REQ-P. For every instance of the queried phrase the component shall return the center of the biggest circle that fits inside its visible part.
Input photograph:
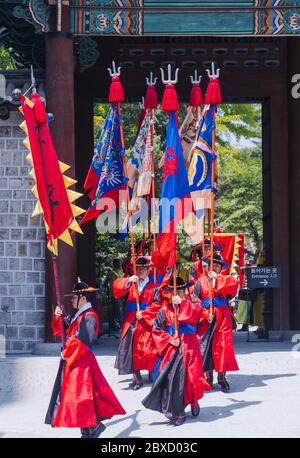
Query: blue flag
(175, 180)
(175, 202)
(105, 138)
(107, 163)
(200, 167)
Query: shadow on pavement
(134, 426)
(241, 382)
(207, 414)
(214, 413)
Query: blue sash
(131, 306)
(159, 278)
(217, 302)
(184, 328)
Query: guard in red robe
(199, 267)
(136, 351)
(178, 376)
(81, 396)
(217, 343)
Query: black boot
(179, 419)
(150, 377)
(137, 382)
(210, 378)
(96, 431)
(85, 433)
(222, 381)
(195, 410)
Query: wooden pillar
(267, 204)
(60, 102)
(280, 206)
(294, 181)
(86, 244)
(276, 213)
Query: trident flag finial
(114, 72)
(151, 81)
(196, 79)
(213, 73)
(169, 79)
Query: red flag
(241, 258)
(54, 200)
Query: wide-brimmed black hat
(217, 258)
(199, 248)
(180, 284)
(81, 289)
(142, 261)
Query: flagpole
(196, 100)
(54, 264)
(175, 294)
(58, 298)
(53, 256)
(213, 97)
(170, 104)
(153, 212)
(129, 212)
(212, 217)
(116, 96)
(141, 120)
(203, 239)
(150, 104)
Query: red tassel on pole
(213, 93)
(39, 108)
(170, 99)
(116, 93)
(196, 98)
(151, 97)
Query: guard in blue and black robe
(178, 376)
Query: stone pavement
(264, 400)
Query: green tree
(6, 60)
(239, 199)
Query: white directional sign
(263, 277)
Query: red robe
(195, 271)
(180, 380)
(136, 345)
(144, 348)
(222, 343)
(81, 395)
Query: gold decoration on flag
(77, 210)
(72, 195)
(235, 257)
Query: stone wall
(22, 250)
